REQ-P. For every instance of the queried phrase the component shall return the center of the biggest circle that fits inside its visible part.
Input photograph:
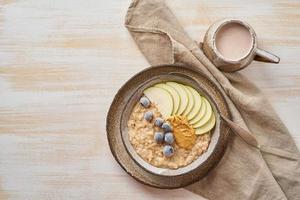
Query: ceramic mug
(230, 65)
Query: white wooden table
(62, 61)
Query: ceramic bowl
(120, 111)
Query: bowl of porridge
(168, 126)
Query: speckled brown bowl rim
(131, 103)
(114, 134)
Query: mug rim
(247, 26)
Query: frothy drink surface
(233, 41)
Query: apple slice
(162, 99)
(207, 115)
(200, 114)
(174, 94)
(191, 101)
(183, 96)
(206, 127)
(197, 105)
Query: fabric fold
(244, 172)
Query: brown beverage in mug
(233, 41)
(231, 45)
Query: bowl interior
(134, 99)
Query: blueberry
(148, 115)
(169, 138)
(168, 151)
(159, 137)
(145, 102)
(158, 122)
(166, 126)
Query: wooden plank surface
(62, 61)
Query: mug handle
(264, 56)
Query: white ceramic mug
(230, 65)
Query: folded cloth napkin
(244, 172)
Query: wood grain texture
(62, 61)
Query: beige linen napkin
(244, 172)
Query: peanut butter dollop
(184, 133)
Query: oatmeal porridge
(170, 126)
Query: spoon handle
(243, 133)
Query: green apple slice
(207, 115)
(191, 101)
(200, 114)
(162, 99)
(174, 94)
(197, 105)
(183, 96)
(206, 127)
